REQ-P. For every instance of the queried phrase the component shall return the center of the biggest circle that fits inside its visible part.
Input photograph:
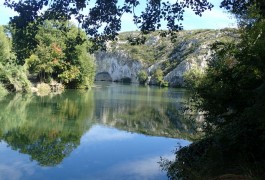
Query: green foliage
(23, 38)
(62, 55)
(46, 128)
(231, 95)
(5, 48)
(103, 20)
(142, 77)
(88, 69)
(159, 78)
(193, 77)
(14, 78)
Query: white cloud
(16, 170)
(147, 168)
(100, 133)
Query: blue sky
(215, 19)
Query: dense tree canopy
(101, 22)
(62, 55)
(231, 96)
(107, 13)
(12, 77)
(101, 19)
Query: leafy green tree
(12, 77)
(231, 95)
(5, 48)
(104, 15)
(62, 55)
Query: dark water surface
(113, 131)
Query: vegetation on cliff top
(157, 48)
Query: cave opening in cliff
(103, 76)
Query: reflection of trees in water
(46, 128)
(49, 128)
(152, 112)
(44, 149)
(152, 121)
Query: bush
(193, 77)
(159, 78)
(142, 77)
(14, 78)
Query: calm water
(113, 131)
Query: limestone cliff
(189, 50)
(116, 67)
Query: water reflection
(85, 127)
(47, 128)
(151, 111)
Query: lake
(112, 131)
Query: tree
(12, 77)
(62, 55)
(241, 7)
(105, 14)
(231, 95)
(5, 47)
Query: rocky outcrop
(189, 50)
(116, 67)
(175, 77)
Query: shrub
(14, 78)
(193, 77)
(142, 77)
(159, 78)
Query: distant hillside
(189, 50)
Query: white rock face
(175, 77)
(118, 65)
(193, 60)
(191, 50)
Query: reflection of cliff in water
(145, 110)
(46, 128)
(49, 128)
